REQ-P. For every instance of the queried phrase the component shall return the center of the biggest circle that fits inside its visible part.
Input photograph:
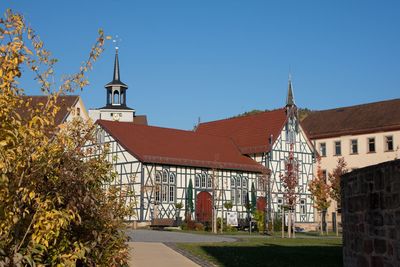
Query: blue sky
(214, 59)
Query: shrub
(53, 207)
(199, 227)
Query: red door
(203, 207)
(261, 203)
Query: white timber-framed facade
(223, 160)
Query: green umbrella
(189, 198)
(253, 198)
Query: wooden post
(283, 222)
(294, 222)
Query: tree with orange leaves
(320, 191)
(334, 179)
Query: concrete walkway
(147, 247)
(151, 254)
(142, 235)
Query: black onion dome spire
(116, 77)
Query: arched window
(172, 178)
(165, 186)
(116, 97)
(122, 98)
(239, 190)
(165, 176)
(203, 180)
(209, 181)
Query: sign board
(232, 218)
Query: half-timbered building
(268, 138)
(218, 162)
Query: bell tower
(116, 89)
(115, 108)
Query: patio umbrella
(253, 198)
(189, 197)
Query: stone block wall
(371, 216)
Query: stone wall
(371, 215)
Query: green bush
(259, 216)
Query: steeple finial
(116, 81)
(290, 98)
(116, 66)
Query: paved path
(174, 237)
(148, 248)
(156, 254)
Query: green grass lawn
(271, 252)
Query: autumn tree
(334, 179)
(320, 190)
(290, 182)
(53, 209)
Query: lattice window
(203, 180)
(165, 187)
(302, 206)
(239, 189)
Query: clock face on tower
(116, 116)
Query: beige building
(363, 135)
(70, 106)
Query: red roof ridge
(357, 105)
(244, 116)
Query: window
(388, 143)
(302, 206)
(353, 146)
(238, 196)
(209, 181)
(261, 183)
(171, 193)
(172, 178)
(338, 148)
(165, 186)
(164, 193)
(116, 98)
(371, 145)
(280, 203)
(100, 137)
(78, 111)
(158, 177)
(245, 196)
(239, 190)
(157, 193)
(325, 176)
(165, 177)
(203, 181)
(322, 149)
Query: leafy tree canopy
(53, 207)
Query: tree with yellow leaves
(320, 191)
(54, 210)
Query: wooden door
(203, 207)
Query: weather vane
(116, 41)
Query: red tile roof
(178, 147)
(65, 103)
(360, 119)
(250, 133)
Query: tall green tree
(53, 209)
